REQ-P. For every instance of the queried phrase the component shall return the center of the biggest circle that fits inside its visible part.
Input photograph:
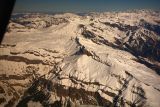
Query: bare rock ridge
(94, 60)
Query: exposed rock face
(143, 42)
(66, 60)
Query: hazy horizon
(83, 6)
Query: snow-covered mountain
(68, 60)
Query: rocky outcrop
(144, 43)
(150, 26)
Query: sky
(81, 6)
